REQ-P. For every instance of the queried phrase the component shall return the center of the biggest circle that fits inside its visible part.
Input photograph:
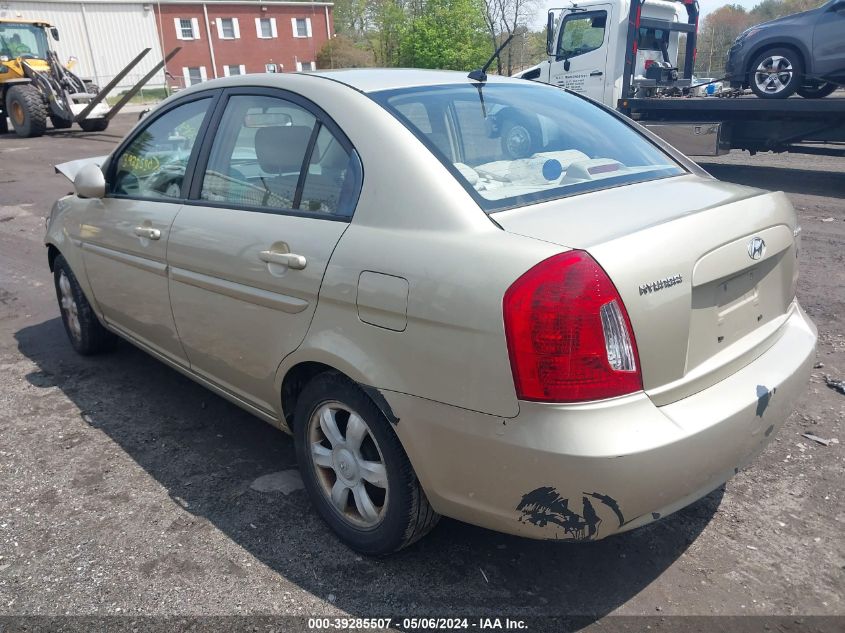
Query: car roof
(376, 79)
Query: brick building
(220, 38)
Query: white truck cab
(625, 54)
(590, 46)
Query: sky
(706, 7)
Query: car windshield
(512, 145)
(22, 40)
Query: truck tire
(816, 90)
(521, 136)
(94, 125)
(776, 73)
(27, 110)
(59, 123)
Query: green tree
(342, 52)
(388, 21)
(448, 34)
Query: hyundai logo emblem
(756, 248)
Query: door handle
(291, 260)
(148, 232)
(596, 73)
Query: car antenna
(480, 74)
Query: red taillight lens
(569, 336)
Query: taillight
(569, 336)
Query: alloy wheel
(349, 465)
(773, 74)
(69, 307)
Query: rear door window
(271, 153)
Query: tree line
(447, 34)
(463, 34)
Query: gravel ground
(127, 489)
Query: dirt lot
(126, 489)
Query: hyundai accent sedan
(494, 301)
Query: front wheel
(86, 333)
(355, 469)
(776, 73)
(817, 90)
(27, 110)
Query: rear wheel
(355, 469)
(816, 90)
(94, 125)
(776, 73)
(86, 333)
(59, 123)
(27, 110)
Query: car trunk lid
(707, 270)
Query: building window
(265, 28)
(305, 66)
(228, 29)
(231, 70)
(301, 27)
(194, 75)
(187, 28)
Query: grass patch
(144, 96)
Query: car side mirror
(550, 33)
(90, 182)
(55, 33)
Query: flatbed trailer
(712, 125)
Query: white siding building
(103, 35)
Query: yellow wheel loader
(35, 87)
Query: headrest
(280, 149)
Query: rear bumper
(588, 471)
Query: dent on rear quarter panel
(414, 221)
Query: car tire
(343, 474)
(83, 328)
(27, 110)
(94, 125)
(817, 90)
(776, 73)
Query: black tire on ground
(59, 123)
(785, 76)
(817, 90)
(94, 125)
(27, 110)
(406, 513)
(87, 335)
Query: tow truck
(625, 53)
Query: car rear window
(512, 145)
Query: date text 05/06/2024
(481, 624)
